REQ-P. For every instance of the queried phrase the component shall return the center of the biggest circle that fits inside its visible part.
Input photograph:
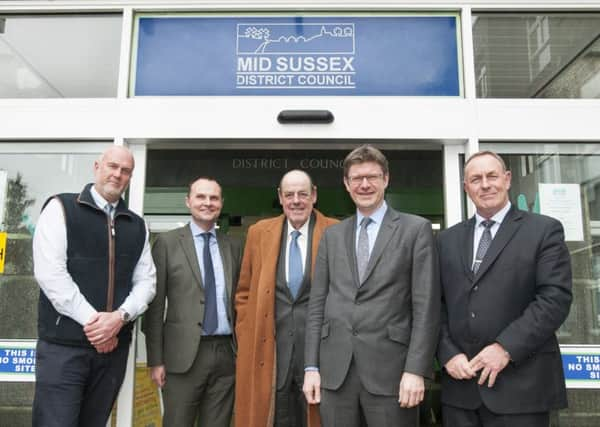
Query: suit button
(262, 363)
(291, 333)
(355, 333)
(472, 315)
(475, 288)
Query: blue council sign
(345, 55)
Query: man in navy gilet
(93, 264)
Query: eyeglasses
(371, 179)
(301, 195)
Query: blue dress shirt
(224, 328)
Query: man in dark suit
(506, 283)
(373, 315)
(275, 279)
(191, 349)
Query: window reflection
(78, 58)
(31, 179)
(535, 55)
(531, 170)
(28, 187)
(536, 164)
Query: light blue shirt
(497, 218)
(224, 328)
(101, 202)
(373, 227)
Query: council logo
(295, 56)
(265, 39)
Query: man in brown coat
(271, 303)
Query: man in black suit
(506, 284)
(373, 314)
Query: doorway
(250, 177)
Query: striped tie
(362, 251)
(484, 244)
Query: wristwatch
(125, 317)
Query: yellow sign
(2, 250)
(147, 400)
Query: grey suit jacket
(390, 322)
(172, 338)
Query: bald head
(118, 151)
(112, 172)
(295, 175)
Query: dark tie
(362, 251)
(210, 289)
(295, 265)
(484, 244)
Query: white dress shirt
(302, 243)
(50, 268)
(497, 218)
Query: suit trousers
(483, 417)
(290, 403)
(353, 406)
(206, 390)
(76, 386)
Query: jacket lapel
(225, 252)
(390, 223)
(316, 238)
(270, 246)
(350, 237)
(509, 226)
(466, 242)
(283, 285)
(187, 243)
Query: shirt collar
(100, 201)
(376, 217)
(196, 231)
(303, 230)
(498, 217)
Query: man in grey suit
(191, 349)
(373, 316)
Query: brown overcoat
(255, 324)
